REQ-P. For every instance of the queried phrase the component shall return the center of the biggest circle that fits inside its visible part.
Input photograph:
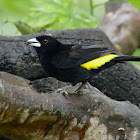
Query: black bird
(74, 63)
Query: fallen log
(120, 82)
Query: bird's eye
(45, 41)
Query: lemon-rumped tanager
(74, 63)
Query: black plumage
(64, 62)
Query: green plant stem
(91, 7)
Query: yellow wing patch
(98, 62)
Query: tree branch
(121, 23)
(26, 114)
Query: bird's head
(44, 44)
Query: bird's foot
(67, 92)
(62, 91)
(64, 88)
(70, 90)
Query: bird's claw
(70, 90)
(61, 91)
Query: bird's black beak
(33, 42)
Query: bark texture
(26, 114)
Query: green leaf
(24, 28)
(60, 14)
(50, 14)
(14, 9)
(135, 3)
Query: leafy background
(31, 16)
(135, 3)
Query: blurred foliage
(135, 3)
(32, 16)
(15, 9)
(59, 14)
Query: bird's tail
(127, 58)
(118, 59)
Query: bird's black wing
(79, 55)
